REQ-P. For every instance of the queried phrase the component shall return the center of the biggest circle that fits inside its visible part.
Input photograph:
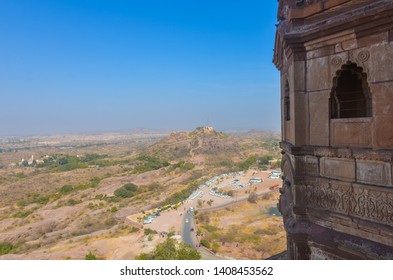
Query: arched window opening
(287, 112)
(350, 97)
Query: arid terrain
(65, 197)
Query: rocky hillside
(202, 143)
(77, 200)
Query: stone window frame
(365, 110)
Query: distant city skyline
(94, 66)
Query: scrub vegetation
(70, 197)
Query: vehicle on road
(186, 221)
(147, 221)
(275, 187)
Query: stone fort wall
(337, 196)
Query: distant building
(40, 161)
(31, 160)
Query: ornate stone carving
(363, 56)
(337, 61)
(374, 205)
(318, 254)
(351, 56)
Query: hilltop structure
(335, 58)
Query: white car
(147, 221)
(186, 221)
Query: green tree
(148, 231)
(186, 252)
(252, 198)
(244, 165)
(205, 243)
(215, 247)
(143, 256)
(90, 256)
(127, 190)
(130, 187)
(66, 189)
(6, 248)
(171, 250)
(264, 160)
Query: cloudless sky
(94, 65)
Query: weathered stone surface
(300, 119)
(288, 131)
(307, 165)
(318, 74)
(380, 63)
(350, 44)
(383, 115)
(338, 198)
(374, 39)
(373, 172)
(343, 169)
(299, 73)
(319, 123)
(350, 132)
(321, 52)
(319, 254)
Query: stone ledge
(382, 155)
(373, 172)
(338, 168)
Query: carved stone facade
(335, 58)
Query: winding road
(189, 237)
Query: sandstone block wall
(337, 194)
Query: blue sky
(92, 65)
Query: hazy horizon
(130, 131)
(86, 66)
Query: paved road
(189, 237)
(187, 234)
(234, 201)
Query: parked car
(147, 221)
(275, 187)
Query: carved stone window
(350, 97)
(287, 105)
